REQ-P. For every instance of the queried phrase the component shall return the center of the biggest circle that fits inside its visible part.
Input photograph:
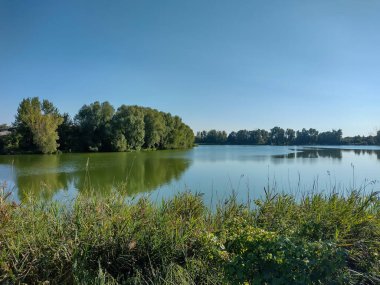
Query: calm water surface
(215, 171)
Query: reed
(279, 239)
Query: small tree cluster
(276, 136)
(100, 127)
(39, 127)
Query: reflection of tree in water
(313, 153)
(326, 153)
(334, 153)
(368, 152)
(43, 176)
(37, 176)
(42, 186)
(142, 172)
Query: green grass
(281, 239)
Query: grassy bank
(319, 239)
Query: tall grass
(281, 239)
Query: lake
(215, 171)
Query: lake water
(216, 171)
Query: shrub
(108, 240)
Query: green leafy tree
(129, 121)
(67, 133)
(183, 136)
(242, 137)
(154, 128)
(37, 123)
(211, 137)
(232, 138)
(167, 140)
(307, 137)
(94, 124)
(9, 143)
(290, 136)
(332, 138)
(119, 142)
(96, 127)
(313, 134)
(201, 137)
(277, 136)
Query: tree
(255, 137)
(179, 135)
(333, 138)
(68, 134)
(37, 124)
(264, 137)
(211, 137)
(167, 140)
(242, 137)
(201, 137)
(119, 142)
(290, 135)
(9, 140)
(154, 128)
(129, 121)
(94, 126)
(313, 136)
(277, 136)
(232, 138)
(222, 137)
(307, 137)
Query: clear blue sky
(218, 64)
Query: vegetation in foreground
(318, 239)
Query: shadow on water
(333, 153)
(44, 175)
(48, 176)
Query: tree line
(280, 136)
(40, 128)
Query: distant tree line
(39, 127)
(280, 136)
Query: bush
(261, 257)
(107, 240)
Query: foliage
(94, 123)
(360, 140)
(154, 128)
(129, 121)
(68, 134)
(334, 137)
(9, 143)
(262, 257)
(276, 136)
(37, 123)
(97, 127)
(315, 239)
(213, 137)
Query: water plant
(281, 239)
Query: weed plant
(281, 239)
